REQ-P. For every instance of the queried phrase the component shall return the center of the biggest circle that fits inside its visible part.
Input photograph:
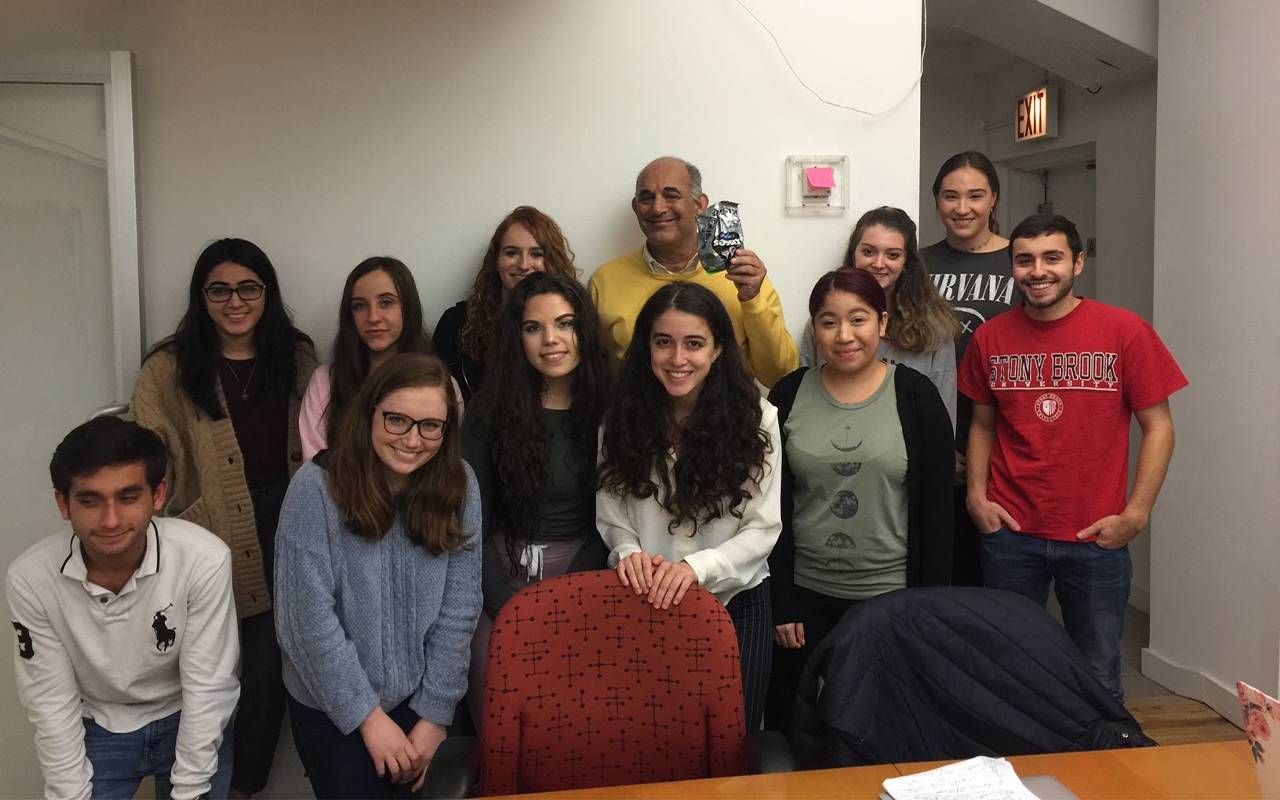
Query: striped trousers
(752, 614)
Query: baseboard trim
(1189, 682)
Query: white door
(70, 332)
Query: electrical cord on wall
(924, 43)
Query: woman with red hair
(525, 242)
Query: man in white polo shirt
(126, 628)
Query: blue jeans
(1091, 583)
(121, 760)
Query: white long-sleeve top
(168, 641)
(728, 555)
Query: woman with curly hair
(689, 472)
(379, 315)
(224, 393)
(531, 438)
(922, 330)
(866, 478)
(525, 242)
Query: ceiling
(993, 34)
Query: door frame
(113, 71)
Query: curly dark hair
(484, 302)
(510, 402)
(720, 447)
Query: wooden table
(1210, 770)
(851, 783)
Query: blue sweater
(366, 623)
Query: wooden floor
(1180, 720)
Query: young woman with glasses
(689, 489)
(379, 315)
(531, 437)
(378, 585)
(224, 392)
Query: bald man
(667, 201)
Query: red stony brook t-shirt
(1064, 392)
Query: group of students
(378, 512)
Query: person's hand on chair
(636, 571)
(671, 580)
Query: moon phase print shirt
(850, 466)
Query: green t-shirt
(849, 461)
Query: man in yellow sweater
(667, 201)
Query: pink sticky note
(820, 177)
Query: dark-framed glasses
(221, 292)
(397, 424)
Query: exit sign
(1037, 114)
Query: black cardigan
(447, 341)
(926, 431)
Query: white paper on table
(979, 778)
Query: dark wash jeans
(121, 760)
(1091, 583)
(338, 764)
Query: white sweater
(730, 554)
(168, 641)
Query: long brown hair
(351, 357)
(430, 504)
(485, 300)
(919, 319)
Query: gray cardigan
(366, 623)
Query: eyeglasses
(221, 292)
(398, 424)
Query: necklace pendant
(244, 395)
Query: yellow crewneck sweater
(621, 287)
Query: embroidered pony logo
(164, 634)
(26, 648)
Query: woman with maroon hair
(866, 478)
(525, 242)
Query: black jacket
(447, 340)
(950, 673)
(926, 431)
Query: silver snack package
(719, 235)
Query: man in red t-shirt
(1054, 383)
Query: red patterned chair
(588, 685)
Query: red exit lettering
(1031, 115)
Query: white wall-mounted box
(817, 185)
